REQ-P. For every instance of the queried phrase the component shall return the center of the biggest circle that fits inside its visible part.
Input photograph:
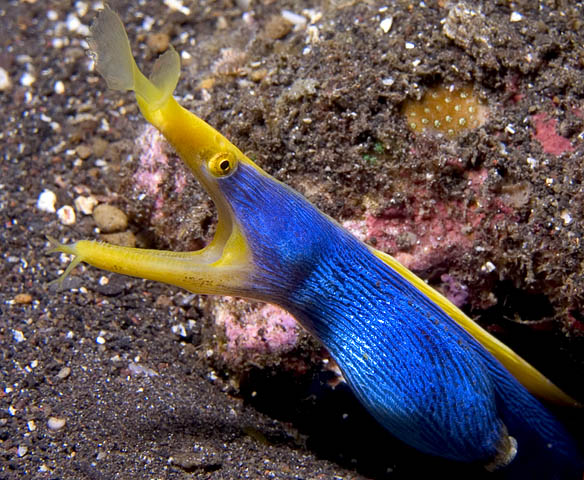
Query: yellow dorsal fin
(114, 61)
(166, 72)
(525, 373)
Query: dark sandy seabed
(72, 405)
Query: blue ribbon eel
(420, 366)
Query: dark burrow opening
(335, 426)
(525, 321)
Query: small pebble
(488, 267)
(22, 451)
(73, 23)
(110, 219)
(386, 24)
(163, 301)
(66, 215)
(207, 83)
(294, 18)
(56, 423)
(58, 43)
(566, 217)
(26, 80)
(184, 299)
(83, 151)
(258, 75)
(222, 23)
(46, 201)
(147, 23)
(99, 146)
(59, 87)
(64, 373)
(85, 204)
(18, 336)
(110, 288)
(158, 42)
(23, 298)
(81, 8)
(179, 330)
(5, 82)
(277, 27)
(186, 58)
(177, 5)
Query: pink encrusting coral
(421, 237)
(253, 331)
(152, 161)
(429, 233)
(546, 134)
(153, 168)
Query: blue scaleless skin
(422, 368)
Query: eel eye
(221, 164)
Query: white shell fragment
(5, 82)
(85, 204)
(298, 20)
(177, 5)
(66, 215)
(18, 336)
(488, 267)
(56, 423)
(59, 87)
(27, 79)
(46, 201)
(386, 24)
(566, 217)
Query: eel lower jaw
(221, 268)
